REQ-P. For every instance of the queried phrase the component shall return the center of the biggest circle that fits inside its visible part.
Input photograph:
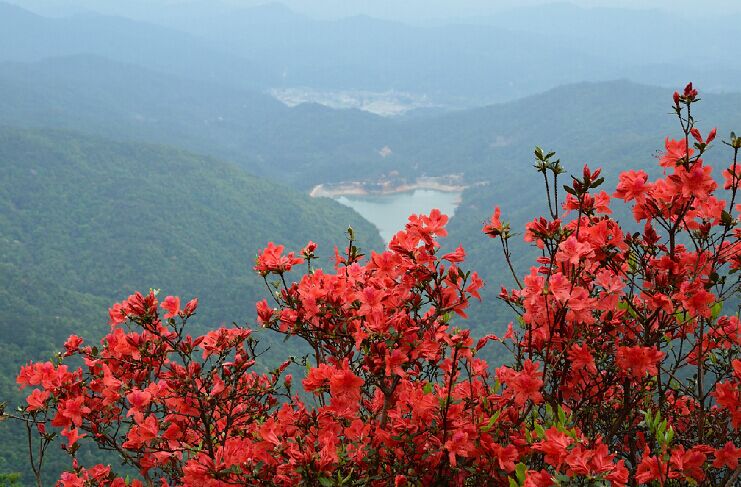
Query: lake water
(389, 213)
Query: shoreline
(385, 188)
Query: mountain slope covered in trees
(299, 146)
(615, 125)
(86, 221)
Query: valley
(385, 104)
(165, 150)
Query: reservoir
(390, 212)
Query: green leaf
(716, 309)
(488, 426)
(520, 472)
(326, 482)
(669, 435)
(661, 429)
(647, 420)
(726, 218)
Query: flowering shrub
(624, 369)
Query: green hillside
(300, 146)
(614, 125)
(148, 152)
(86, 221)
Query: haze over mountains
(410, 11)
(471, 62)
(146, 143)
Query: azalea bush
(624, 363)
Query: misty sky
(406, 10)
(447, 8)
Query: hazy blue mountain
(311, 144)
(469, 62)
(29, 37)
(422, 12)
(714, 76)
(298, 144)
(629, 34)
(508, 55)
(452, 63)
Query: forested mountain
(310, 144)
(461, 63)
(298, 145)
(85, 222)
(25, 36)
(614, 125)
(470, 60)
(505, 56)
(366, 53)
(137, 154)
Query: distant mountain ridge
(461, 63)
(310, 144)
(135, 153)
(30, 37)
(127, 102)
